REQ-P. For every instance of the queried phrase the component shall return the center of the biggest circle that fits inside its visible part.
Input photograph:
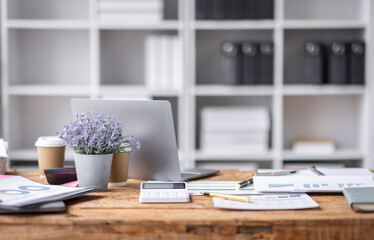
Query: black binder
(202, 9)
(264, 9)
(248, 9)
(357, 63)
(234, 9)
(216, 9)
(338, 63)
(266, 60)
(231, 67)
(315, 70)
(250, 63)
(171, 11)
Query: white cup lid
(49, 141)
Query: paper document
(17, 191)
(310, 183)
(344, 171)
(269, 202)
(224, 187)
(326, 171)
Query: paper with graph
(269, 202)
(310, 183)
(17, 192)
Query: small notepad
(360, 199)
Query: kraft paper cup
(119, 169)
(51, 153)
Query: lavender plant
(129, 145)
(90, 134)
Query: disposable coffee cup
(119, 170)
(51, 153)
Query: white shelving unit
(53, 50)
(340, 113)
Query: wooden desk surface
(117, 214)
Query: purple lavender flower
(96, 135)
(138, 145)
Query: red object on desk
(70, 184)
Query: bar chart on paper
(269, 202)
(310, 183)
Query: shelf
(225, 90)
(48, 24)
(294, 90)
(51, 90)
(57, 50)
(47, 9)
(163, 25)
(135, 91)
(234, 25)
(324, 24)
(326, 9)
(339, 155)
(32, 155)
(237, 156)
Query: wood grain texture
(117, 214)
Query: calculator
(163, 192)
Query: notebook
(360, 199)
(49, 207)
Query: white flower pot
(93, 170)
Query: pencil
(228, 197)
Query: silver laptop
(151, 122)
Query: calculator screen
(164, 186)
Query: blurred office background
(252, 83)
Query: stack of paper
(22, 195)
(239, 129)
(3, 156)
(131, 10)
(313, 147)
(310, 183)
(163, 62)
(332, 180)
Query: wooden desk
(117, 214)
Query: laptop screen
(150, 122)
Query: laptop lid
(150, 122)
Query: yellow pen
(228, 197)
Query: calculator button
(164, 194)
(154, 194)
(145, 194)
(181, 194)
(173, 194)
